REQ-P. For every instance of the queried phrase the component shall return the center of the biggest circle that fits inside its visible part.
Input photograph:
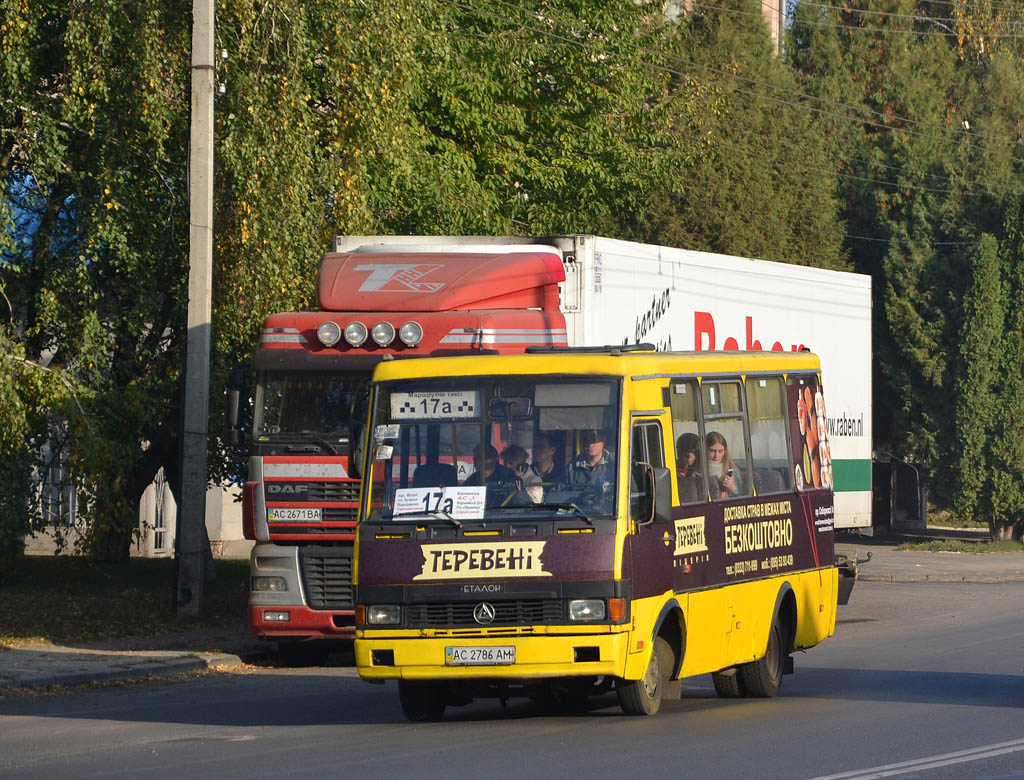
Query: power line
(662, 68)
(979, 5)
(862, 28)
(915, 17)
(683, 74)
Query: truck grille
(522, 612)
(334, 514)
(327, 576)
(333, 491)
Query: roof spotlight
(383, 333)
(410, 334)
(329, 333)
(355, 334)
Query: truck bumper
(302, 622)
(284, 613)
(551, 655)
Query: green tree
(338, 117)
(1007, 459)
(761, 185)
(424, 117)
(922, 124)
(94, 114)
(975, 389)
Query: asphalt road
(921, 680)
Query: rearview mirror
(510, 409)
(236, 383)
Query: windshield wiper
(320, 442)
(437, 513)
(578, 512)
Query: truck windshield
(468, 449)
(305, 403)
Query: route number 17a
(436, 502)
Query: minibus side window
(646, 448)
(690, 451)
(725, 439)
(768, 448)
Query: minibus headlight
(329, 333)
(269, 584)
(383, 333)
(355, 334)
(586, 609)
(410, 334)
(383, 615)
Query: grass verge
(66, 600)
(962, 546)
(947, 519)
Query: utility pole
(192, 512)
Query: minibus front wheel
(643, 696)
(422, 700)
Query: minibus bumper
(416, 658)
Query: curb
(935, 578)
(147, 670)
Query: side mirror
(236, 383)
(655, 494)
(662, 495)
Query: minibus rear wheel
(763, 678)
(728, 684)
(422, 700)
(643, 696)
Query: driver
(595, 465)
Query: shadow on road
(898, 685)
(275, 697)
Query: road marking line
(930, 762)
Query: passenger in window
(725, 476)
(490, 472)
(543, 465)
(595, 465)
(514, 458)
(435, 474)
(501, 481)
(689, 478)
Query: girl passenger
(725, 475)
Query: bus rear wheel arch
(763, 678)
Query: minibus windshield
(469, 448)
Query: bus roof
(611, 362)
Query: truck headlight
(355, 334)
(269, 584)
(383, 615)
(411, 333)
(586, 609)
(383, 333)
(328, 333)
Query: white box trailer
(622, 292)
